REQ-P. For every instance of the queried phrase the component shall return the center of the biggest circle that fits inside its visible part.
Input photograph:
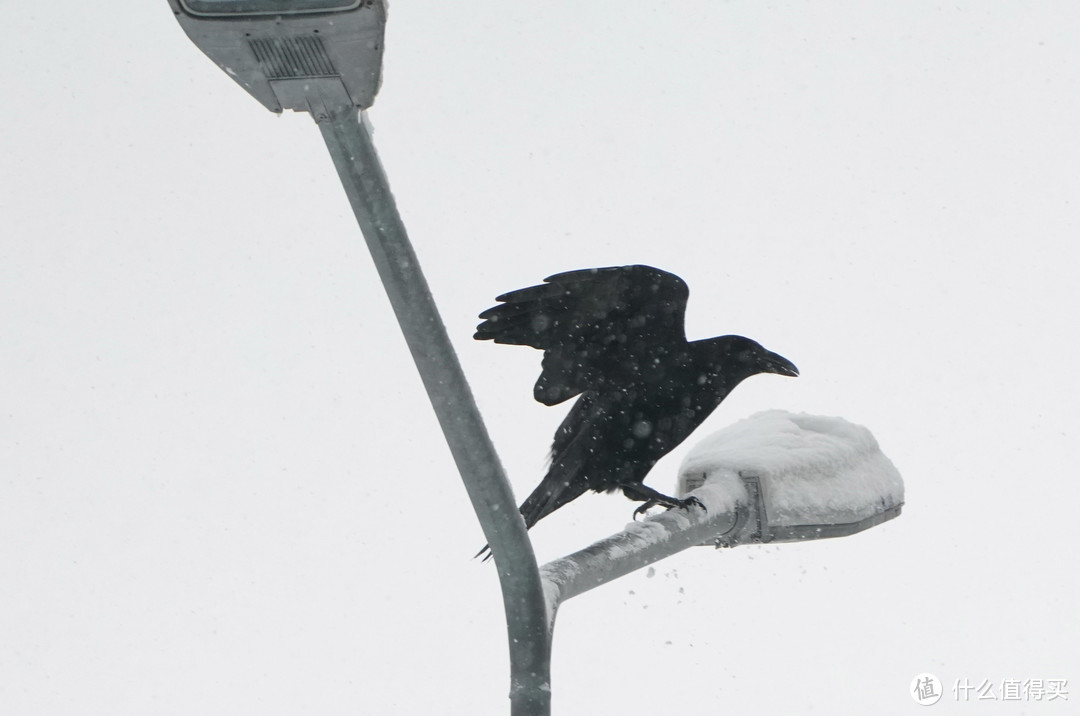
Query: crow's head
(741, 358)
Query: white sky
(222, 489)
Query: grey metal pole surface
(642, 544)
(365, 182)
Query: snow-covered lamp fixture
(800, 476)
(318, 56)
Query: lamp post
(324, 57)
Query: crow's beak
(774, 363)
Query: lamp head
(317, 56)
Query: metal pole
(365, 182)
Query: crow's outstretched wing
(594, 325)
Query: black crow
(615, 337)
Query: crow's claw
(644, 508)
(691, 501)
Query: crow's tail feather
(554, 491)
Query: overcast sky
(222, 489)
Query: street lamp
(324, 57)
